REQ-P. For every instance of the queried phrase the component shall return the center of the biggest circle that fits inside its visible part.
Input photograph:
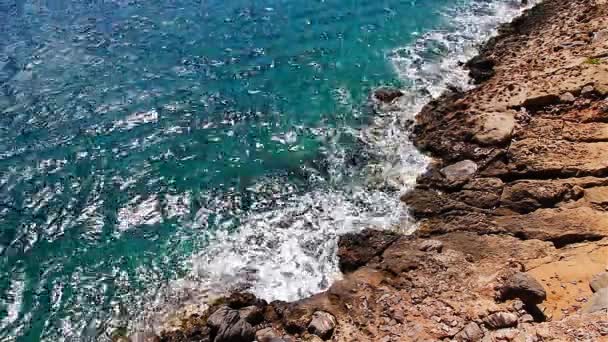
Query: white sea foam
(290, 252)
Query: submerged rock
(387, 95)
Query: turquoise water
(153, 148)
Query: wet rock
(252, 314)
(431, 246)
(525, 287)
(471, 332)
(567, 98)
(501, 320)
(356, 249)
(461, 170)
(599, 281)
(322, 324)
(495, 128)
(480, 68)
(386, 94)
(597, 302)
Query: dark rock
(227, 326)
(480, 68)
(252, 314)
(541, 101)
(322, 324)
(597, 302)
(471, 332)
(525, 287)
(386, 94)
(599, 281)
(431, 246)
(239, 300)
(268, 335)
(501, 320)
(356, 249)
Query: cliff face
(513, 238)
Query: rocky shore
(513, 212)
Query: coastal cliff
(512, 242)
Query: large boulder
(495, 128)
(226, 325)
(523, 286)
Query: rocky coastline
(513, 211)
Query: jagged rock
(356, 249)
(480, 68)
(461, 170)
(227, 326)
(567, 97)
(599, 281)
(495, 128)
(252, 314)
(431, 246)
(322, 324)
(501, 320)
(471, 332)
(525, 287)
(597, 302)
(387, 95)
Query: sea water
(157, 153)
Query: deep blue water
(132, 133)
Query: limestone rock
(471, 332)
(525, 287)
(597, 302)
(599, 281)
(431, 246)
(501, 320)
(322, 324)
(461, 170)
(495, 128)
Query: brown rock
(431, 246)
(387, 95)
(461, 170)
(598, 302)
(495, 128)
(471, 332)
(525, 287)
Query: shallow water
(154, 152)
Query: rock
(567, 98)
(322, 324)
(525, 287)
(227, 326)
(480, 68)
(587, 91)
(431, 246)
(495, 128)
(599, 281)
(461, 170)
(252, 314)
(600, 36)
(597, 302)
(540, 100)
(144, 337)
(356, 249)
(386, 94)
(505, 334)
(268, 335)
(471, 332)
(501, 320)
